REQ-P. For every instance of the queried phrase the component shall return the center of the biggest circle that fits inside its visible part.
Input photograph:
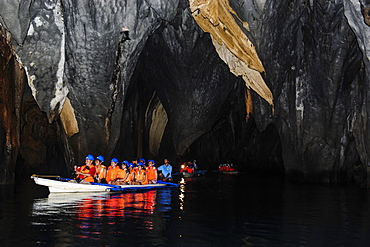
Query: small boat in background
(189, 170)
(58, 184)
(227, 169)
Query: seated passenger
(122, 175)
(130, 178)
(140, 175)
(183, 167)
(189, 169)
(112, 171)
(151, 172)
(101, 170)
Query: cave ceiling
(195, 72)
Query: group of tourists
(226, 167)
(136, 172)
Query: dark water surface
(216, 210)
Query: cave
(272, 86)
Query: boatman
(166, 171)
(88, 172)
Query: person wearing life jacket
(232, 168)
(151, 172)
(183, 167)
(140, 175)
(78, 178)
(101, 170)
(88, 170)
(130, 177)
(122, 175)
(112, 171)
(227, 168)
(190, 167)
(220, 167)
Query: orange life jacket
(151, 173)
(81, 169)
(122, 173)
(141, 175)
(102, 171)
(112, 173)
(92, 174)
(190, 170)
(130, 176)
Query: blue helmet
(125, 162)
(89, 157)
(115, 160)
(151, 161)
(142, 160)
(140, 164)
(101, 158)
(131, 165)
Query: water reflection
(96, 216)
(182, 193)
(209, 211)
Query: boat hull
(60, 186)
(64, 186)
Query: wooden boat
(58, 184)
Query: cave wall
(75, 56)
(12, 80)
(319, 84)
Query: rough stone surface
(315, 55)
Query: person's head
(151, 162)
(99, 160)
(123, 165)
(140, 166)
(142, 161)
(166, 161)
(134, 161)
(135, 167)
(89, 159)
(114, 162)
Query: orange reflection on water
(116, 207)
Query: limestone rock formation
(73, 83)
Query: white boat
(58, 184)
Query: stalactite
(68, 119)
(248, 104)
(232, 44)
(159, 123)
